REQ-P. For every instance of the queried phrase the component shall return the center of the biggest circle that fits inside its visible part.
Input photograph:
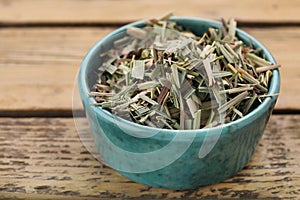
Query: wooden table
(41, 46)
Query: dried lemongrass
(266, 68)
(175, 84)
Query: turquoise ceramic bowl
(166, 158)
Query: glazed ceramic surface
(167, 158)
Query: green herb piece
(111, 68)
(250, 103)
(144, 97)
(233, 102)
(175, 76)
(136, 32)
(97, 94)
(266, 68)
(147, 85)
(236, 90)
(207, 67)
(188, 123)
(192, 106)
(258, 60)
(138, 69)
(226, 54)
(197, 120)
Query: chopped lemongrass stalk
(250, 102)
(138, 69)
(203, 89)
(221, 74)
(193, 107)
(226, 45)
(136, 32)
(257, 85)
(233, 102)
(99, 94)
(247, 74)
(217, 95)
(182, 113)
(232, 28)
(145, 98)
(176, 103)
(183, 77)
(188, 124)
(167, 16)
(268, 95)
(258, 60)
(266, 68)
(102, 87)
(175, 76)
(127, 78)
(167, 110)
(205, 51)
(164, 92)
(108, 104)
(197, 120)
(165, 99)
(267, 77)
(111, 68)
(239, 113)
(236, 90)
(232, 68)
(125, 90)
(147, 85)
(124, 104)
(143, 110)
(207, 67)
(226, 54)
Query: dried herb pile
(167, 77)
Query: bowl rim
(265, 105)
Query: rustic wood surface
(44, 158)
(40, 62)
(122, 11)
(42, 44)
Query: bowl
(174, 159)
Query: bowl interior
(89, 68)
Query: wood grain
(38, 66)
(43, 158)
(123, 11)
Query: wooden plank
(122, 11)
(38, 65)
(43, 158)
(283, 43)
